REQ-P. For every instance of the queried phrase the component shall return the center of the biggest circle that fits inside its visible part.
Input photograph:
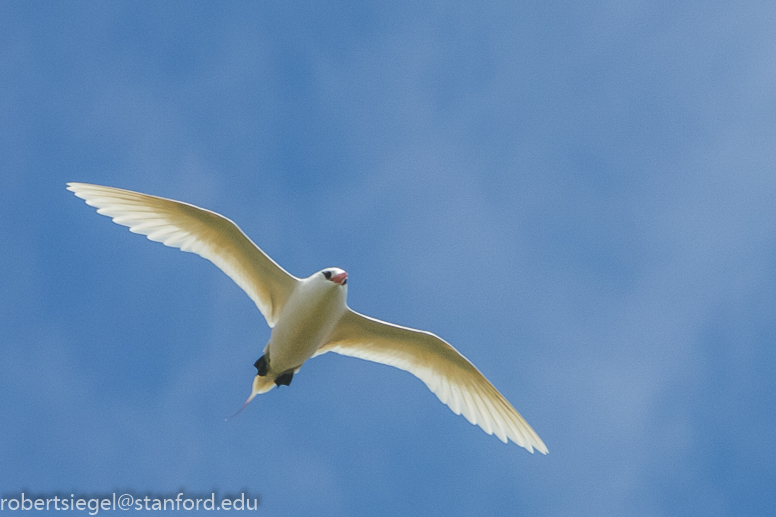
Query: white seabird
(310, 316)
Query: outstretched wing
(199, 231)
(441, 367)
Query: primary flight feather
(310, 316)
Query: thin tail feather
(261, 384)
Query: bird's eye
(327, 274)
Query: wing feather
(447, 373)
(200, 231)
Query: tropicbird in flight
(310, 316)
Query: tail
(261, 384)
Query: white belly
(305, 324)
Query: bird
(310, 316)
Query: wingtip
(532, 444)
(74, 186)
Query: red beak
(340, 279)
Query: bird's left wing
(441, 367)
(199, 231)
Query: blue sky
(579, 197)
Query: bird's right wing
(441, 367)
(199, 231)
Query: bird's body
(305, 324)
(310, 316)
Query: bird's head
(335, 274)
